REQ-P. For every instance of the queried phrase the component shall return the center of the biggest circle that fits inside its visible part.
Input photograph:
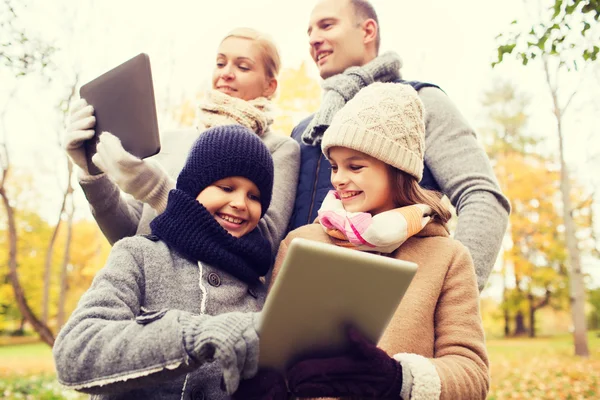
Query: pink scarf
(383, 233)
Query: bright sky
(450, 43)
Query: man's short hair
(364, 10)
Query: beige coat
(436, 332)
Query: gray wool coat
(124, 340)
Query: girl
(434, 346)
(244, 79)
(167, 304)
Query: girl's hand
(364, 371)
(268, 384)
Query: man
(344, 43)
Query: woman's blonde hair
(270, 54)
(407, 191)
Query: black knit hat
(225, 151)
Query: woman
(243, 82)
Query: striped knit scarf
(342, 87)
(382, 233)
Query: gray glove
(79, 129)
(231, 339)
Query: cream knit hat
(385, 121)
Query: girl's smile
(348, 196)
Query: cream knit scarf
(219, 109)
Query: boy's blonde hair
(270, 54)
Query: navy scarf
(188, 227)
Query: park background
(541, 307)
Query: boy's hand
(231, 339)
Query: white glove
(145, 180)
(79, 129)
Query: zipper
(314, 192)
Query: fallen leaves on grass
(542, 371)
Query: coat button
(198, 394)
(214, 279)
(151, 237)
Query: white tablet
(319, 289)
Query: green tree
(533, 262)
(536, 253)
(298, 96)
(20, 53)
(567, 30)
(22, 256)
(87, 254)
(594, 300)
(565, 34)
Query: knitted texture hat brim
(385, 121)
(380, 147)
(227, 151)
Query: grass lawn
(26, 359)
(542, 368)
(27, 372)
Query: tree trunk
(21, 329)
(64, 275)
(520, 329)
(41, 328)
(48, 264)
(506, 323)
(505, 308)
(532, 310)
(67, 200)
(67, 254)
(534, 307)
(576, 278)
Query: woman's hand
(145, 180)
(79, 129)
(364, 371)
